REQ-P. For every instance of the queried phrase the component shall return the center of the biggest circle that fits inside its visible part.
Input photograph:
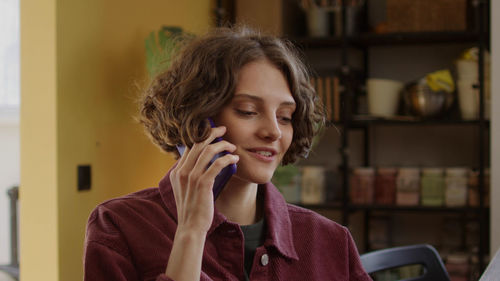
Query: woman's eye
(245, 112)
(285, 119)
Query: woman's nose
(270, 129)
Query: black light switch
(84, 176)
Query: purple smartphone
(223, 177)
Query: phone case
(223, 177)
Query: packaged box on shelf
(362, 185)
(385, 186)
(408, 187)
(432, 187)
(313, 185)
(426, 15)
(456, 187)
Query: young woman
(257, 91)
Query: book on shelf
(327, 88)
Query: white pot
(468, 99)
(383, 96)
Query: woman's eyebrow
(261, 100)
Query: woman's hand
(192, 182)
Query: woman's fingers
(194, 153)
(220, 164)
(195, 162)
(209, 152)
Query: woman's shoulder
(141, 196)
(129, 224)
(308, 219)
(147, 194)
(138, 204)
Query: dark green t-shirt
(254, 237)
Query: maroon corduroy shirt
(130, 238)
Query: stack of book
(328, 90)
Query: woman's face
(259, 120)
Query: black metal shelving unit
(482, 12)
(479, 36)
(364, 41)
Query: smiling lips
(264, 154)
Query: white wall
(9, 116)
(9, 175)
(495, 128)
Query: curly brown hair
(202, 79)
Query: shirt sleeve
(357, 272)
(101, 262)
(104, 263)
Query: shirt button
(264, 260)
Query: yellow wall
(38, 193)
(81, 64)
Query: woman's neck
(238, 202)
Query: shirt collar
(278, 224)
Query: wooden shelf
(417, 122)
(372, 39)
(430, 209)
(395, 208)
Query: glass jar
(408, 187)
(385, 186)
(362, 185)
(433, 186)
(456, 187)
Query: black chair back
(391, 258)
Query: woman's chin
(253, 178)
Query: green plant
(161, 48)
